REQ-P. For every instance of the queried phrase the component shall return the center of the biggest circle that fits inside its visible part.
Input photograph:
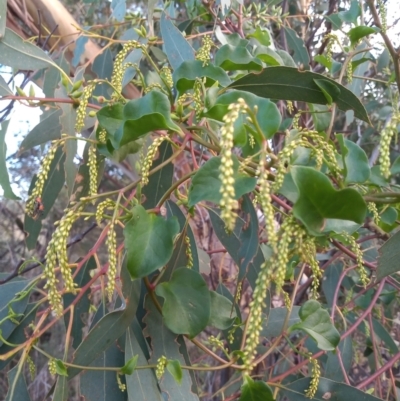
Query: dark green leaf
(330, 90)
(233, 58)
(297, 46)
(389, 254)
(149, 241)
(165, 343)
(389, 216)
(4, 178)
(130, 366)
(385, 336)
(149, 113)
(111, 118)
(206, 182)
(395, 169)
(355, 161)
(21, 54)
(255, 391)
(61, 389)
(352, 14)
(318, 200)
(176, 46)
(161, 180)
(359, 32)
(268, 116)
(102, 66)
(4, 88)
(327, 389)
(335, 20)
(17, 388)
(321, 116)
(316, 322)
(286, 58)
(291, 84)
(222, 312)
(333, 369)
(187, 302)
(79, 50)
(174, 367)
(276, 318)
(187, 73)
(47, 130)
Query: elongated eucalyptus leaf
(20, 54)
(388, 261)
(296, 44)
(176, 46)
(17, 388)
(288, 83)
(4, 88)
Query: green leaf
(4, 88)
(262, 35)
(333, 369)
(186, 74)
(335, 20)
(330, 90)
(388, 260)
(206, 182)
(295, 391)
(176, 46)
(130, 366)
(355, 161)
(61, 368)
(268, 116)
(359, 32)
(109, 328)
(165, 343)
(269, 56)
(174, 367)
(318, 200)
(61, 389)
(233, 58)
(3, 13)
(20, 54)
(222, 312)
(296, 44)
(149, 241)
(288, 83)
(4, 178)
(273, 327)
(321, 116)
(316, 322)
(395, 169)
(389, 216)
(255, 391)
(47, 130)
(352, 14)
(187, 304)
(111, 118)
(149, 113)
(17, 388)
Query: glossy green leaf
(142, 384)
(268, 116)
(317, 323)
(255, 391)
(174, 367)
(176, 46)
(166, 343)
(4, 178)
(268, 55)
(389, 254)
(297, 46)
(4, 88)
(185, 76)
(18, 53)
(187, 302)
(47, 130)
(273, 327)
(318, 200)
(329, 89)
(262, 35)
(111, 118)
(52, 187)
(17, 388)
(109, 328)
(332, 390)
(359, 32)
(130, 366)
(288, 83)
(149, 113)
(206, 182)
(233, 58)
(149, 241)
(61, 368)
(355, 161)
(222, 312)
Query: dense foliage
(247, 248)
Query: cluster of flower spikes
(93, 169)
(37, 191)
(56, 254)
(82, 108)
(147, 161)
(119, 69)
(112, 260)
(387, 134)
(161, 365)
(203, 54)
(226, 172)
(315, 376)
